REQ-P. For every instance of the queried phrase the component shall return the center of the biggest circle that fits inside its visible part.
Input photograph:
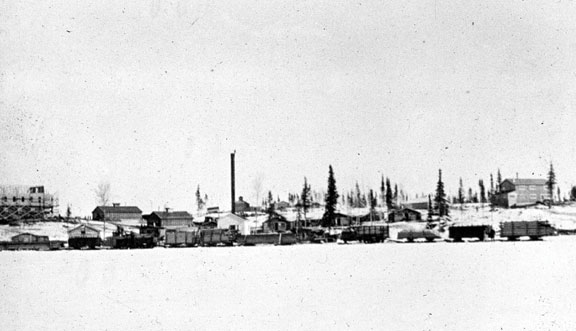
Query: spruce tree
(305, 198)
(331, 200)
(373, 201)
(430, 208)
(498, 181)
(491, 183)
(461, 192)
(440, 198)
(358, 197)
(388, 194)
(199, 201)
(482, 191)
(550, 183)
(383, 191)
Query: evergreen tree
(331, 200)
(573, 193)
(491, 183)
(440, 198)
(470, 195)
(270, 210)
(68, 212)
(305, 198)
(482, 191)
(396, 193)
(373, 200)
(388, 194)
(498, 181)
(461, 192)
(558, 195)
(430, 208)
(382, 191)
(550, 183)
(199, 201)
(350, 199)
(358, 197)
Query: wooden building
(518, 192)
(30, 238)
(83, 231)
(277, 223)
(404, 215)
(169, 219)
(242, 206)
(235, 222)
(116, 213)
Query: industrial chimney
(233, 184)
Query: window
(532, 187)
(533, 196)
(521, 188)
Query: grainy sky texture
(152, 96)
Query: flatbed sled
(267, 239)
(412, 234)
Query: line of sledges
(84, 236)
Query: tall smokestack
(233, 182)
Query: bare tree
(257, 184)
(103, 193)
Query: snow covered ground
(392, 286)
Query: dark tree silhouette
(331, 200)
(482, 191)
(440, 198)
(550, 183)
(388, 194)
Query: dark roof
(120, 209)
(85, 227)
(163, 215)
(526, 181)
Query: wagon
(412, 234)
(213, 237)
(457, 232)
(533, 229)
(267, 239)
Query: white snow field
(392, 286)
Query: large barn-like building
(116, 213)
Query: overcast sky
(153, 96)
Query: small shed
(83, 231)
(404, 215)
(232, 221)
(169, 219)
(342, 220)
(277, 223)
(30, 238)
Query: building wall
(83, 233)
(276, 225)
(527, 194)
(99, 215)
(176, 222)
